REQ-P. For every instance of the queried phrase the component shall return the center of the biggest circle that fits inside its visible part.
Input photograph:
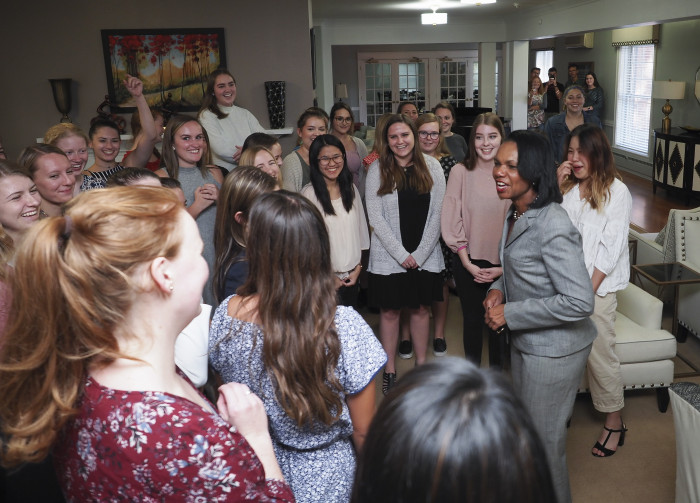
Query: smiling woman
(559, 126)
(404, 195)
(185, 154)
(227, 125)
(53, 174)
(334, 194)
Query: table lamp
(668, 90)
(341, 91)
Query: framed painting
(583, 68)
(173, 64)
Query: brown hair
(296, 304)
(64, 130)
(447, 106)
(486, 119)
(30, 155)
(239, 190)
(441, 150)
(209, 100)
(392, 176)
(379, 132)
(170, 159)
(596, 147)
(84, 265)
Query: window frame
(633, 104)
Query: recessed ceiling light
(434, 18)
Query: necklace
(516, 214)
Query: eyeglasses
(344, 120)
(433, 135)
(325, 161)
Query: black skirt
(411, 289)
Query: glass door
(378, 90)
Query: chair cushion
(635, 344)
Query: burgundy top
(153, 446)
(152, 165)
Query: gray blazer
(548, 292)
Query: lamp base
(666, 121)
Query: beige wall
(265, 40)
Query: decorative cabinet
(677, 162)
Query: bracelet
(462, 248)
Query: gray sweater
(386, 252)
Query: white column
(324, 69)
(515, 73)
(487, 75)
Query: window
(544, 61)
(635, 73)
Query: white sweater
(228, 133)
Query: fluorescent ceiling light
(434, 18)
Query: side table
(672, 273)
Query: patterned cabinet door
(696, 169)
(676, 161)
(659, 160)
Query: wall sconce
(435, 18)
(341, 91)
(61, 96)
(668, 90)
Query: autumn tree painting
(173, 62)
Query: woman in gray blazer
(545, 295)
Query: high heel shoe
(607, 452)
(388, 381)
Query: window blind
(635, 74)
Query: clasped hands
(495, 311)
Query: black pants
(471, 297)
(347, 295)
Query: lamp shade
(341, 91)
(668, 90)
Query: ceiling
(377, 9)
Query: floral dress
(318, 461)
(535, 118)
(153, 446)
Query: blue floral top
(318, 461)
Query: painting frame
(584, 67)
(190, 55)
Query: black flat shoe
(388, 381)
(607, 452)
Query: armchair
(646, 351)
(678, 241)
(688, 252)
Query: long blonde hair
(83, 265)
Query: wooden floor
(649, 210)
